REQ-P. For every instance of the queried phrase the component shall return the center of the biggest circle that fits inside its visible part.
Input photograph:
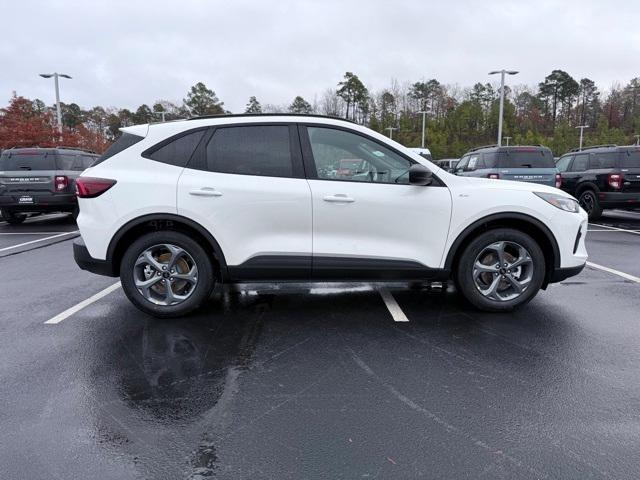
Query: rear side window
(176, 151)
(125, 141)
(251, 150)
(630, 159)
(526, 158)
(603, 160)
(489, 159)
(36, 160)
(581, 163)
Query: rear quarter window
(177, 150)
(630, 159)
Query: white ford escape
(174, 208)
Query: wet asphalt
(296, 382)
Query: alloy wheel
(502, 271)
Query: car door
(370, 223)
(575, 172)
(246, 185)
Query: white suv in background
(174, 208)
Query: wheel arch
(519, 221)
(586, 185)
(164, 221)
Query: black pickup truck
(603, 176)
(39, 180)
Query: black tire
(464, 274)
(13, 218)
(201, 291)
(588, 200)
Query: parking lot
(329, 381)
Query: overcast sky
(125, 53)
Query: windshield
(631, 159)
(526, 158)
(27, 161)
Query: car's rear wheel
(13, 218)
(588, 200)
(167, 274)
(500, 270)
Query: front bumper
(86, 262)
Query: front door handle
(205, 192)
(339, 198)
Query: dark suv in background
(39, 180)
(523, 163)
(603, 176)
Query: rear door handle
(339, 198)
(206, 192)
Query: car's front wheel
(167, 274)
(13, 218)
(500, 270)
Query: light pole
(581, 127)
(162, 114)
(391, 129)
(55, 77)
(424, 113)
(507, 139)
(502, 74)
(637, 139)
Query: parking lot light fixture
(581, 127)
(424, 113)
(502, 73)
(391, 129)
(637, 139)
(507, 139)
(55, 76)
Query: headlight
(560, 201)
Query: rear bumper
(560, 274)
(86, 262)
(619, 199)
(41, 203)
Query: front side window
(581, 163)
(251, 150)
(462, 164)
(340, 155)
(563, 164)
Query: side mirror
(420, 175)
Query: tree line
(456, 118)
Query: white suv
(174, 208)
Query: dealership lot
(333, 381)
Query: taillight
(558, 180)
(615, 180)
(87, 187)
(494, 176)
(61, 182)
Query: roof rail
(604, 145)
(231, 115)
(80, 149)
(478, 148)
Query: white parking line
(615, 272)
(615, 231)
(38, 240)
(394, 309)
(30, 233)
(615, 228)
(85, 303)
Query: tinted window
(580, 163)
(526, 158)
(125, 141)
(177, 151)
(563, 164)
(603, 160)
(489, 159)
(251, 150)
(35, 160)
(462, 164)
(66, 161)
(630, 159)
(340, 155)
